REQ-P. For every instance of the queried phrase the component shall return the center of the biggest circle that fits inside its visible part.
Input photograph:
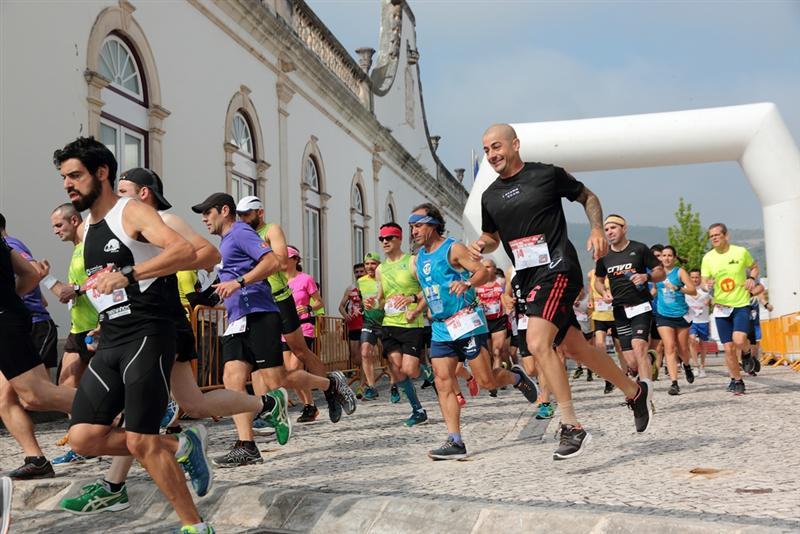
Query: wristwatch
(77, 289)
(468, 283)
(240, 279)
(415, 298)
(127, 272)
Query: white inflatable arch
(753, 135)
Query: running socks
(113, 487)
(455, 437)
(568, 416)
(408, 388)
(267, 405)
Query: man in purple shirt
(251, 342)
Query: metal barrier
(332, 346)
(781, 341)
(208, 324)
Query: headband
(393, 231)
(615, 219)
(416, 218)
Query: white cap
(249, 203)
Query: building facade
(243, 96)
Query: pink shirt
(303, 286)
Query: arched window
(123, 118)
(312, 223)
(244, 174)
(359, 223)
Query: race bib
(491, 308)
(100, 301)
(463, 322)
(580, 316)
(633, 311)
(722, 311)
(601, 306)
(688, 317)
(433, 298)
(522, 322)
(530, 252)
(236, 327)
(392, 306)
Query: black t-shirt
(10, 302)
(620, 266)
(529, 204)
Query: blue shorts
(467, 348)
(737, 321)
(700, 331)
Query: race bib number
(530, 252)
(393, 306)
(722, 311)
(236, 327)
(100, 301)
(522, 322)
(580, 316)
(633, 311)
(433, 298)
(601, 305)
(491, 308)
(462, 323)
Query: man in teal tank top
(403, 332)
(448, 276)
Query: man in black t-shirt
(626, 266)
(522, 211)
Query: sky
(520, 61)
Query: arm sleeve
(566, 184)
(650, 260)
(487, 222)
(253, 245)
(600, 267)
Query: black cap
(216, 200)
(149, 179)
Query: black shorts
(654, 330)
(354, 335)
(403, 340)
(426, 342)
(370, 333)
(672, 322)
(521, 342)
(260, 343)
(311, 342)
(76, 344)
(637, 327)
(605, 326)
(550, 295)
(185, 350)
(45, 340)
(290, 321)
(497, 324)
(17, 352)
(133, 377)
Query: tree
(688, 236)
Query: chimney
(435, 141)
(460, 174)
(365, 58)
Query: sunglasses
(387, 238)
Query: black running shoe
(589, 375)
(674, 389)
(344, 395)
(738, 388)
(334, 408)
(32, 468)
(748, 363)
(609, 388)
(493, 393)
(578, 373)
(642, 406)
(450, 450)
(426, 384)
(309, 414)
(238, 455)
(572, 442)
(758, 366)
(731, 385)
(526, 385)
(687, 371)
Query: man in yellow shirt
(731, 271)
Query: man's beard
(86, 201)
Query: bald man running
(522, 211)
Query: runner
(448, 274)
(656, 350)
(626, 267)
(402, 331)
(699, 331)
(602, 315)
(522, 209)
(127, 251)
(672, 317)
(489, 297)
(732, 272)
(251, 211)
(758, 298)
(371, 330)
(350, 308)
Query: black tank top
(10, 303)
(141, 308)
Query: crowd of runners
(441, 313)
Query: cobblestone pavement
(708, 457)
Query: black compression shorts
(628, 329)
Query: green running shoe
(96, 498)
(191, 529)
(279, 416)
(417, 418)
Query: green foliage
(688, 236)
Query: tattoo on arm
(594, 211)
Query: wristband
(415, 298)
(309, 309)
(49, 281)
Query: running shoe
(309, 414)
(342, 392)
(359, 391)
(701, 373)
(461, 400)
(572, 442)
(748, 363)
(578, 373)
(609, 388)
(654, 374)
(589, 375)
(32, 469)
(262, 427)
(238, 455)
(370, 393)
(674, 389)
(195, 460)
(526, 385)
(642, 406)
(426, 384)
(473, 387)
(493, 392)
(757, 368)
(6, 492)
(394, 395)
(545, 411)
(731, 385)
(738, 388)
(170, 414)
(416, 418)
(191, 529)
(427, 372)
(334, 408)
(688, 373)
(96, 498)
(450, 450)
(278, 418)
(70, 457)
